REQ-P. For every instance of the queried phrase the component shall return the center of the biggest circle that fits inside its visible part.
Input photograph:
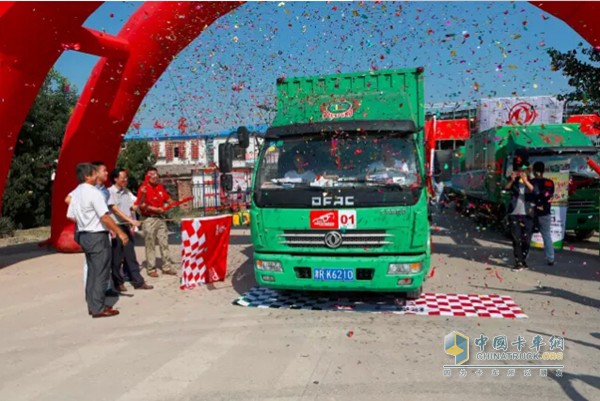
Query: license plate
(333, 274)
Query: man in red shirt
(152, 199)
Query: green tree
(29, 187)
(584, 77)
(136, 157)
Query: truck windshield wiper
(290, 184)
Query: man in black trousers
(89, 211)
(521, 213)
(120, 203)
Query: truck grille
(581, 204)
(350, 238)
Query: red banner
(205, 242)
(590, 123)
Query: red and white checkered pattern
(205, 242)
(470, 305)
(192, 248)
(494, 306)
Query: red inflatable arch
(34, 34)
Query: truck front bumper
(582, 220)
(370, 272)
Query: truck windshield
(339, 159)
(579, 165)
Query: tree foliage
(28, 191)
(583, 76)
(136, 158)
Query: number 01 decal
(347, 219)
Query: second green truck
(480, 174)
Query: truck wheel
(583, 235)
(416, 294)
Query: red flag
(205, 242)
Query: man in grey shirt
(120, 203)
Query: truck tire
(416, 294)
(583, 235)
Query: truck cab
(339, 198)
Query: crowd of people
(104, 222)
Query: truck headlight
(404, 268)
(269, 265)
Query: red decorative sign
(522, 113)
(324, 219)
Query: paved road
(195, 345)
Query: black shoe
(518, 267)
(111, 293)
(525, 265)
(550, 263)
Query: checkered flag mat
(471, 305)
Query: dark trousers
(125, 254)
(97, 255)
(521, 228)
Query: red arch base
(33, 35)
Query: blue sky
(469, 50)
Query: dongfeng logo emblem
(522, 113)
(333, 239)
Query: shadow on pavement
(242, 279)
(13, 254)
(467, 244)
(567, 380)
(571, 340)
(556, 293)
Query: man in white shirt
(89, 211)
(120, 203)
(300, 171)
(101, 178)
(388, 162)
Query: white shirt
(306, 176)
(399, 165)
(87, 207)
(122, 199)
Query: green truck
(339, 197)
(486, 161)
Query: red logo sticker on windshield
(324, 219)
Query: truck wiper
(289, 184)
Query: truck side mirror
(243, 137)
(226, 153)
